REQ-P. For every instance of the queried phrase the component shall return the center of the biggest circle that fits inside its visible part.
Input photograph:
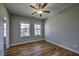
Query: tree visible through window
(25, 29)
(37, 29)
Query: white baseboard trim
(64, 47)
(24, 42)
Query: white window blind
(25, 29)
(37, 29)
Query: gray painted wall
(63, 28)
(1, 38)
(15, 29)
(4, 13)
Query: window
(25, 29)
(4, 29)
(37, 29)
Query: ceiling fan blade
(34, 13)
(44, 5)
(47, 11)
(33, 7)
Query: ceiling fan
(40, 10)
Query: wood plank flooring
(39, 48)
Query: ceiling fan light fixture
(39, 11)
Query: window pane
(4, 29)
(25, 28)
(37, 29)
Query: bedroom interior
(39, 29)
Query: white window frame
(37, 29)
(24, 33)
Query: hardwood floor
(39, 48)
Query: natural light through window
(25, 29)
(4, 29)
(37, 29)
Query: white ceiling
(24, 9)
